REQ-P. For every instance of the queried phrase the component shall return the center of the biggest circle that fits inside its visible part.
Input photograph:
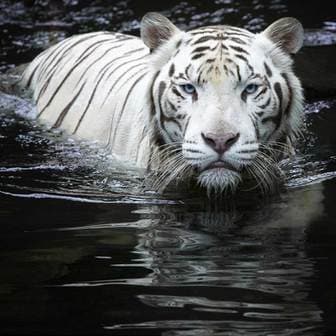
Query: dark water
(85, 249)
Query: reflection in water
(248, 273)
(256, 269)
(170, 267)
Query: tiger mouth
(219, 165)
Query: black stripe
(65, 111)
(199, 75)
(256, 127)
(180, 116)
(162, 87)
(88, 105)
(278, 91)
(176, 53)
(226, 69)
(196, 56)
(195, 151)
(86, 109)
(152, 93)
(57, 48)
(266, 104)
(28, 83)
(187, 70)
(200, 67)
(171, 70)
(232, 34)
(171, 105)
(264, 89)
(277, 118)
(186, 126)
(126, 54)
(126, 99)
(173, 120)
(267, 82)
(194, 96)
(163, 118)
(247, 151)
(127, 79)
(49, 70)
(79, 60)
(65, 49)
(239, 49)
(177, 92)
(82, 58)
(106, 67)
(290, 94)
(207, 38)
(238, 40)
(115, 82)
(200, 49)
(246, 61)
(268, 70)
(241, 57)
(238, 72)
(210, 69)
(203, 30)
(210, 60)
(144, 133)
(62, 47)
(166, 119)
(95, 46)
(101, 72)
(123, 37)
(44, 65)
(181, 75)
(244, 96)
(230, 72)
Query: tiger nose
(220, 143)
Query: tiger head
(225, 101)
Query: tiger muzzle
(220, 143)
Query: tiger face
(226, 102)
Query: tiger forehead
(219, 34)
(218, 52)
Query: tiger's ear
(286, 33)
(156, 29)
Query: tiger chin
(217, 104)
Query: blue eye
(251, 88)
(188, 88)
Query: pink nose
(220, 143)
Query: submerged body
(216, 103)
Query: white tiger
(216, 103)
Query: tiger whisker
(165, 179)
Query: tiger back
(92, 85)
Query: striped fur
(173, 98)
